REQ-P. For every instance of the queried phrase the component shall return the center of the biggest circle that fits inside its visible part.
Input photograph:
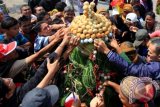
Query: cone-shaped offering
(90, 25)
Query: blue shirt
(150, 69)
(20, 39)
(40, 42)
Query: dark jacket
(151, 69)
(20, 92)
(48, 5)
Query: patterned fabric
(20, 39)
(40, 42)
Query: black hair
(3, 89)
(41, 16)
(152, 14)
(8, 22)
(34, 11)
(60, 6)
(24, 5)
(57, 21)
(37, 27)
(23, 19)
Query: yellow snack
(88, 35)
(82, 36)
(93, 36)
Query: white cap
(131, 17)
(115, 11)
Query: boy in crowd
(11, 29)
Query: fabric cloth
(17, 67)
(20, 92)
(150, 69)
(48, 5)
(154, 28)
(6, 49)
(20, 39)
(41, 97)
(155, 34)
(40, 42)
(5, 67)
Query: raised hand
(52, 67)
(101, 46)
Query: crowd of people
(36, 46)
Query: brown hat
(127, 7)
(127, 46)
(142, 89)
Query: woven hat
(139, 89)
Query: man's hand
(101, 46)
(52, 66)
(114, 43)
(133, 29)
(59, 35)
(74, 41)
(66, 40)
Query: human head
(127, 8)
(154, 49)
(69, 14)
(60, 6)
(10, 26)
(103, 11)
(7, 88)
(129, 49)
(142, 38)
(38, 10)
(42, 28)
(150, 19)
(44, 16)
(25, 24)
(136, 10)
(131, 19)
(134, 90)
(25, 10)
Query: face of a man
(48, 19)
(149, 20)
(26, 11)
(69, 16)
(39, 9)
(13, 31)
(26, 26)
(45, 30)
(152, 56)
